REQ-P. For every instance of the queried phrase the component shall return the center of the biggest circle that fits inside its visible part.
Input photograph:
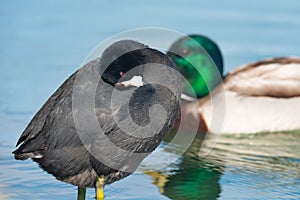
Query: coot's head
(128, 63)
(199, 60)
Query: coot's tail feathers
(19, 155)
(24, 156)
(29, 149)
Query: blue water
(43, 42)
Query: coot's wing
(46, 111)
(46, 114)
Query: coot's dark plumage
(54, 141)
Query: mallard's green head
(200, 61)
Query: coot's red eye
(122, 73)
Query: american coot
(63, 139)
(263, 96)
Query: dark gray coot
(76, 151)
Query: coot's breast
(136, 129)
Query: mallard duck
(65, 138)
(263, 96)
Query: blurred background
(43, 42)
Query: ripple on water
(265, 166)
(262, 166)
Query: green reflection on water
(266, 165)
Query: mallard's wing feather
(259, 97)
(277, 77)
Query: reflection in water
(263, 166)
(194, 178)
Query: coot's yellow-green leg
(81, 193)
(100, 188)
